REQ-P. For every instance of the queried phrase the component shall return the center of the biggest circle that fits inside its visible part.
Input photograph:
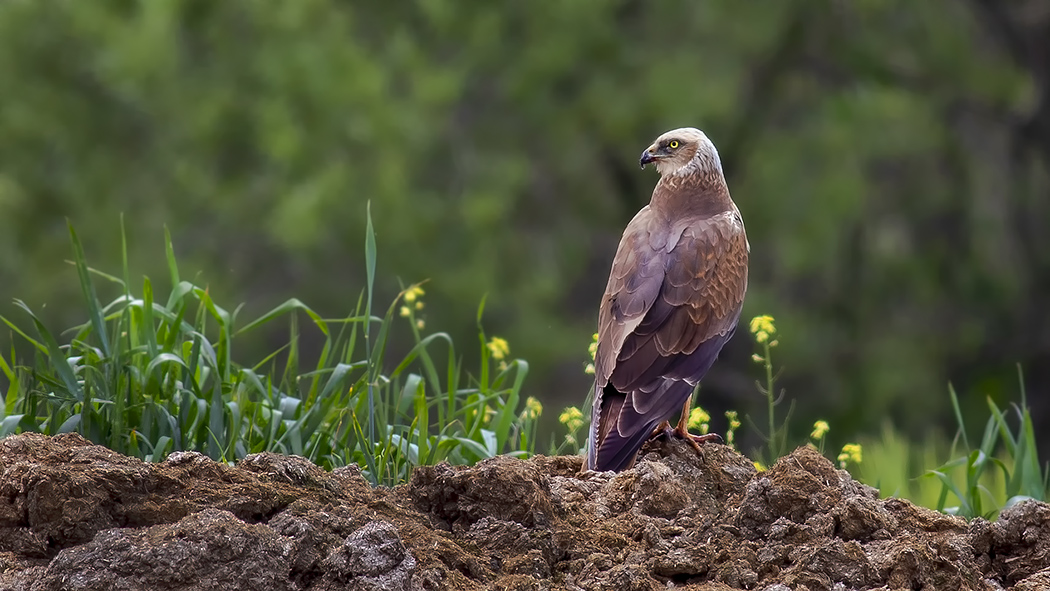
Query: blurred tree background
(891, 159)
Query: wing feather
(673, 299)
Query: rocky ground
(78, 516)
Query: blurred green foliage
(889, 157)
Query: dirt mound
(78, 516)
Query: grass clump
(1012, 454)
(148, 375)
(979, 480)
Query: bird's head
(682, 151)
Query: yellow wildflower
(420, 324)
(405, 312)
(533, 407)
(572, 418)
(419, 305)
(851, 452)
(699, 419)
(499, 348)
(593, 350)
(413, 293)
(820, 429)
(734, 424)
(763, 328)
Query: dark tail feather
(618, 453)
(605, 413)
(621, 430)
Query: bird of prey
(673, 299)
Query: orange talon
(681, 430)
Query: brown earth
(78, 516)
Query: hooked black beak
(647, 157)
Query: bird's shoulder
(686, 260)
(707, 267)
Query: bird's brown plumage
(673, 299)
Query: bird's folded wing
(667, 311)
(664, 302)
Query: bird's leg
(682, 429)
(663, 428)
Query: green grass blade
(414, 384)
(173, 266)
(289, 306)
(1034, 479)
(160, 451)
(88, 290)
(124, 257)
(9, 425)
(216, 424)
(509, 412)
(36, 344)
(370, 272)
(148, 328)
(949, 486)
(479, 450)
(958, 416)
(8, 372)
(367, 448)
(1003, 428)
(55, 355)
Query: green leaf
(289, 306)
(173, 267)
(370, 271)
(9, 425)
(509, 413)
(58, 359)
(88, 290)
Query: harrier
(673, 300)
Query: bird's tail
(618, 430)
(595, 400)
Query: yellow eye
(672, 144)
